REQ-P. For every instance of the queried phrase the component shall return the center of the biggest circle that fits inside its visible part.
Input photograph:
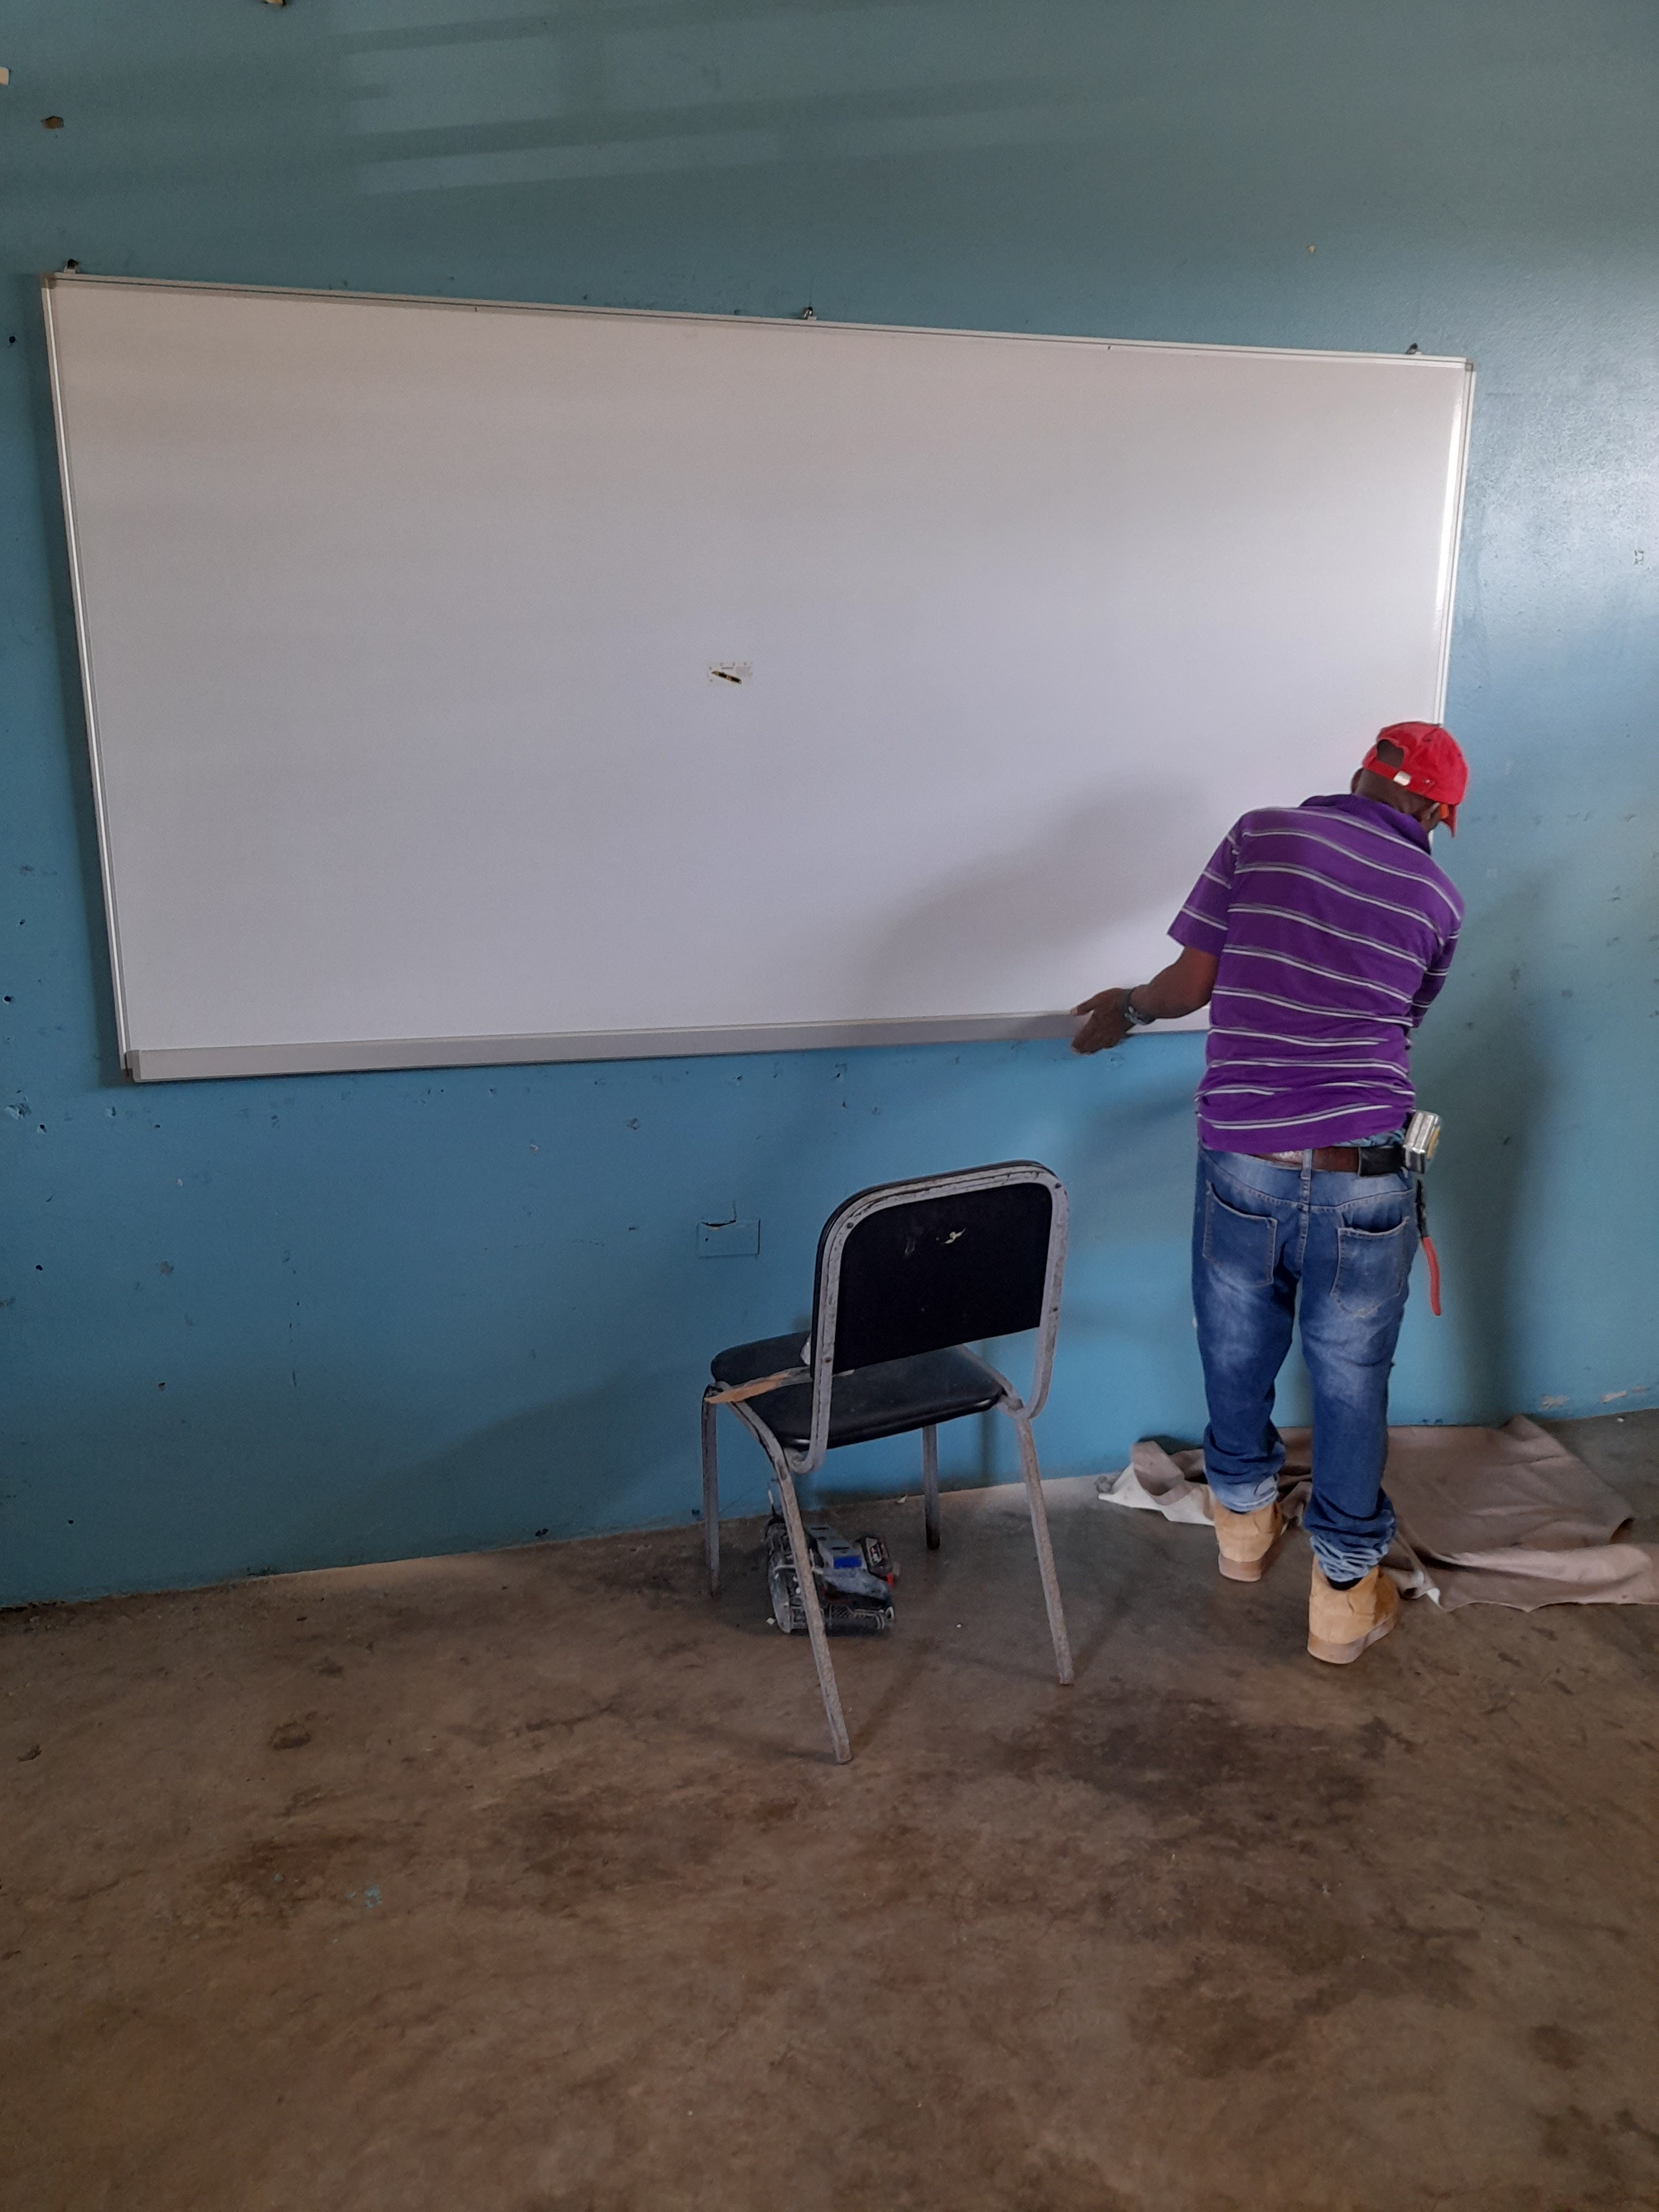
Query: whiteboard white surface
(398, 620)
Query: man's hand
(1180, 989)
(1105, 1026)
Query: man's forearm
(1180, 989)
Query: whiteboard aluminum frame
(83, 646)
(174, 1064)
(195, 1063)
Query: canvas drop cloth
(1493, 1517)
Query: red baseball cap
(1430, 763)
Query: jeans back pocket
(1240, 1248)
(1373, 1266)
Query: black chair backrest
(920, 1273)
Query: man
(1319, 935)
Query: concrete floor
(524, 1883)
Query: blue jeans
(1346, 1242)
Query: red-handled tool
(1429, 1252)
(1433, 1259)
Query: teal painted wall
(275, 1324)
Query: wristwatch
(1132, 1017)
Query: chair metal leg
(1045, 1550)
(930, 1485)
(809, 1598)
(711, 1496)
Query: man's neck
(1387, 816)
(1369, 784)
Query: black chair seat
(888, 1400)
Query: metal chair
(909, 1275)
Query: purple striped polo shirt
(1334, 930)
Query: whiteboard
(481, 682)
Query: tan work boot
(1246, 1539)
(1342, 1622)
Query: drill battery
(853, 1578)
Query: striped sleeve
(1428, 989)
(1202, 921)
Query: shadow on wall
(1490, 1078)
(503, 100)
(1135, 1151)
(573, 1467)
(1094, 867)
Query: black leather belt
(1343, 1159)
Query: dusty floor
(525, 1881)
